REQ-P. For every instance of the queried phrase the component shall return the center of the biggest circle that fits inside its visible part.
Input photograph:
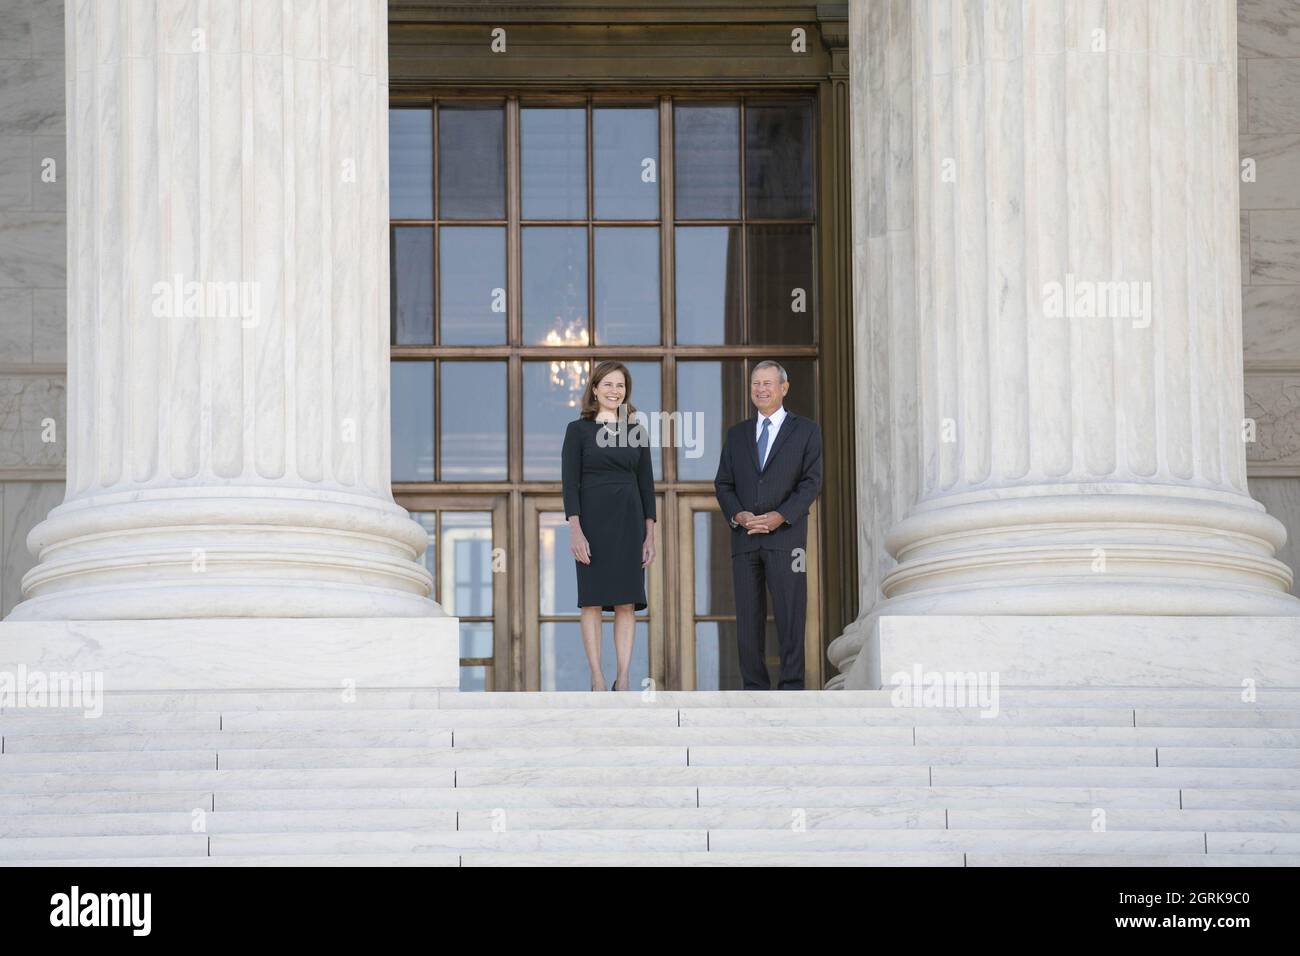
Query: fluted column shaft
(228, 309)
(1079, 352)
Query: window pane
(555, 285)
(707, 161)
(473, 285)
(708, 285)
(564, 663)
(647, 397)
(472, 168)
(627, 286)
(411, 387)
(413, 285)
(466, 586)
(627, 163)
(714, 592)
(410, 164)
(557, 576)
(717, 656)
(552, 394)
(780, 285)
(476, 639)
(553, 151)
(474, 678)
(712, 396)
(473, 421)
(778, 161)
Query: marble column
(228, 418)
(1075, 380)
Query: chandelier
(571, 375)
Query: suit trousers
(754, 573)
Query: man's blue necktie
(762, 443)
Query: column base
(240, 552)
(235, 653)
(1083, 650)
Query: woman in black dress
(609, 501)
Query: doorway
(532, 235)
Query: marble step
(869, 859)
(812, 755)
(670, 859)
(132, 702)
(338, 719)
(647, 797)
(856, 818)
(1018, 717)
(115, 703)
(818, 755)
(784, 797)
(339, 798)
(1205, 777)
(382, 841)
(289, 859)
(222, 822)
(1004, 797)
(490, 819)
(222, 741)
(1131, 859)
(74, 847)
(1193, 798)
(108, 801)
(328, 757)
(545, 858)
(968, 841)
(217, 823)
(1112, 721)
(1243, 716)
(1121, 818)
(320, 821)
(632, 841)
(1181, 744)
(1228, 699)
(916, 776)
(602, 720)
(985, 735)
(58, 722)
(1208, 787)
(1258, 842)
(166, 780)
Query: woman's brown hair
(590, 405)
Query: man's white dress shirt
(777, 417)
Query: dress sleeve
(645, 479)
(571, 468)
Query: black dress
(611, 489)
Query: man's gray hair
(768, 363)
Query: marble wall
(32, 278)
(1268, 78)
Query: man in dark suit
(769, 474)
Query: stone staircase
(1137, 776)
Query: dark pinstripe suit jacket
(789, 483)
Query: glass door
(467, 558)
(554, 656)
(707, 628)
